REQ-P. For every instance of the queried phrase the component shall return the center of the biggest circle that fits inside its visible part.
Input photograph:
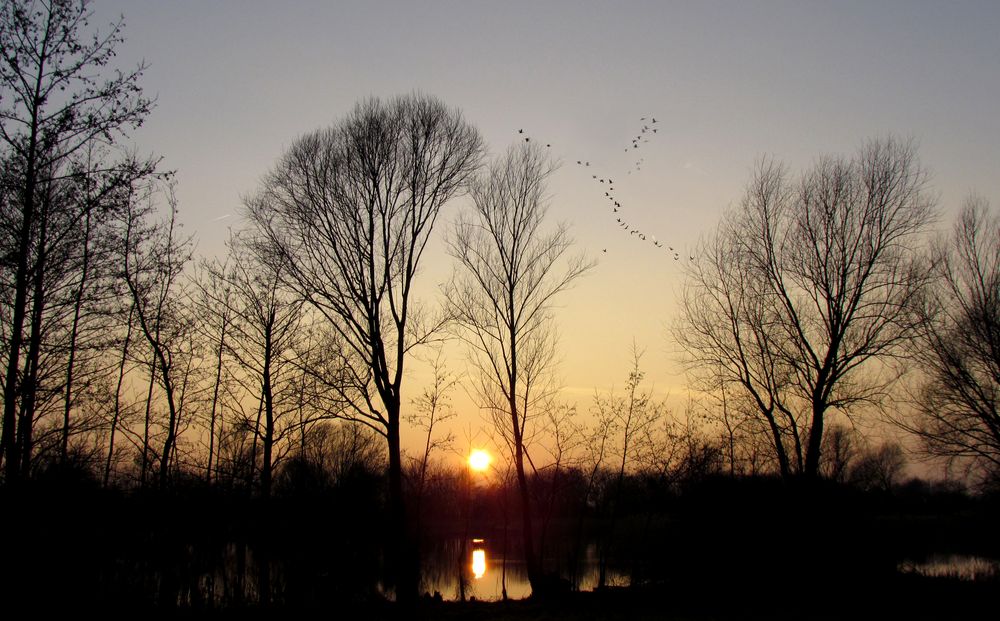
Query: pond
(484, 568)
(961, 566)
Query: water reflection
(456, 570)
(961, 566)
(478, 563)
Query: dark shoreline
(904, 597)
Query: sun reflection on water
(478, 563)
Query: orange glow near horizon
(479, 460)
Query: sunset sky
(236, 82)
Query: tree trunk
(29, 394)
(253, 445)
(779, 448)
(145, 425)
(268, 397)
(215, 401)
(12, 389)
(74, 332)
(527, 534)
(116, 414)
(402, 563)
(815, 442)
(168, 444)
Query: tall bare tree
(806, 287)
(350, 210)
(958, 401)
(54, 101)
(510, 270)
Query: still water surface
(961, 566)
(486, 569)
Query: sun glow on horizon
(479, 460)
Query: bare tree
(431, 409)
(631, 420)
(807, 289)
(560, 440)
(213, 300)
(153, 257)
(350, 210)
(958, 401)
(744, 438)
(262, 318)
(118, 408)
(510, 270)
(53, 104)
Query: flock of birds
(647, 130)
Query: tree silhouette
(806, 287)
(153, 258)
(631, 420)
(958, 347)
(263, 319)
(510, 270)
(58, 99)
(350, 209)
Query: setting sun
(479, 460)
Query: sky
(236, 82)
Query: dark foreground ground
(906, 598)
(725, 550)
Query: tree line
(128, 356)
